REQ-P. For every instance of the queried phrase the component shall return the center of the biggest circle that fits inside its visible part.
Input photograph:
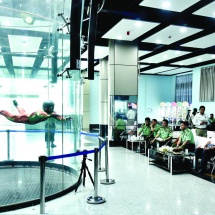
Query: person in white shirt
(200, 121)
(131, 116)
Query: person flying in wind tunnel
(35, 117)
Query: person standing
(131, 116)
(50, 133)
(200, 121)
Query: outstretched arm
(59, 117)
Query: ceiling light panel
(158, 69)
(128, 30)
(176, 71)
(141, 53)
(142, 66)
(23, 61)
(99, 53)
(202, 42)
(18, 23)
(194, 60)
(171, 34)
(47, 63)
(24, 44)
(164, 56)
(208, 10)
(173, 5)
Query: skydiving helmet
(48, 106)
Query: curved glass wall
(32, 52)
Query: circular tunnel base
(20, 183)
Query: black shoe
(53, 146)
(15, 103)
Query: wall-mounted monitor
(133, 105)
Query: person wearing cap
(35, 117)
(200, 121)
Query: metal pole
(100, 153)
(96, 199)
(8, 144)
(107, 180)
(42, 160)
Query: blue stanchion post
(107, 180)
(8, 144)
(42, 160)
(95, 199)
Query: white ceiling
(194, 60)
(135, 28)
(24, 44)
(158, 69)
(202, 42)
(208, 10)
(176, 71)
(99, 52)
(173, 5)
(164, 56)
(171, 34)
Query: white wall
(152, 90)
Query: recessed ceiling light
(183, 29)
(119, 37)
(158, 41)
(199, 59)
(138, 24)
(213, 55)
(166, 4)
(165, 56)
(181, 64)
(177, 52)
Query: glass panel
(32, 53)
(123, 115)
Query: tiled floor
(139, 189)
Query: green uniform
(145, 130)
(120, 127)
(165, 132)
(120, 124)
(211, 120)
(185, 135)
(156, 129)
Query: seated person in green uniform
(186, 139)
(154, 127)
(211, 120)
(163, 136)
(119, 128)
(145, 131)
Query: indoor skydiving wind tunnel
(34, 182)
(32, 53)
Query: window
(207, 86)
(183, 88)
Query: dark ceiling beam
(5, 49)
(184, 57)
(40, 57)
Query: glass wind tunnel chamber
(32, 53)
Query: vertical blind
(207, 84)
(183, 88)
